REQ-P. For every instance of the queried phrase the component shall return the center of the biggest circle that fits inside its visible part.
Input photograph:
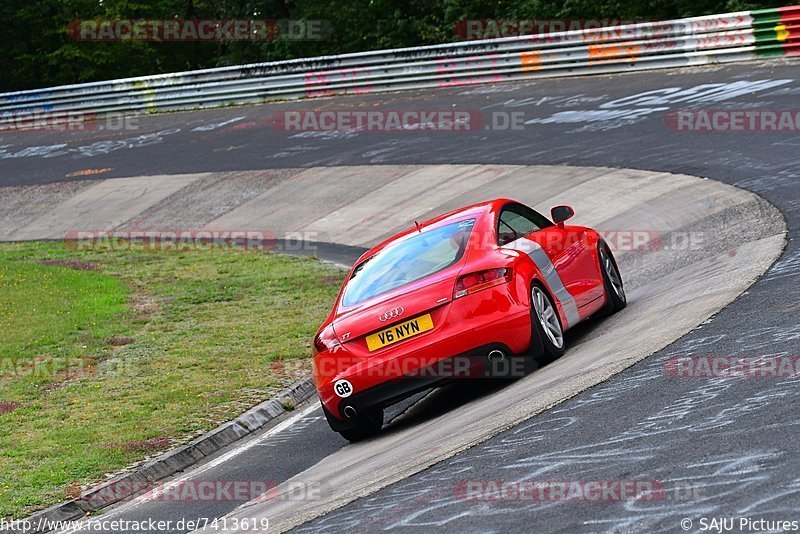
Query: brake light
(474, 282)
(325, 340)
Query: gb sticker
(343, 388)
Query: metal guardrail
(722, 38)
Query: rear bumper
(466, 330)
(471, 364)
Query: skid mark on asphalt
(297, 428)
(213, 126)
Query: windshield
(416, 257)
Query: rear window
(415, 257)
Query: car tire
(547, 334)
(367, 425)
(616, 299)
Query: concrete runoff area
(362, 205)
(105, 206)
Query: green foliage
(35, 50)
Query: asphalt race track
(722, 447)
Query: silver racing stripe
(548, 270)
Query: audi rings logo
(391, 314)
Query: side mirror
(559, 214)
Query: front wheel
(547, 332)
(612, 280)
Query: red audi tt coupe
(463, 295)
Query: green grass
(108, 357)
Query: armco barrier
(729, 37)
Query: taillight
(318, 344)
(474, 282)
(325, 340)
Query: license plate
(399, 332)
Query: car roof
(478, 210)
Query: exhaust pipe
(495, 356)
(350, 412)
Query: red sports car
(463, 295)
